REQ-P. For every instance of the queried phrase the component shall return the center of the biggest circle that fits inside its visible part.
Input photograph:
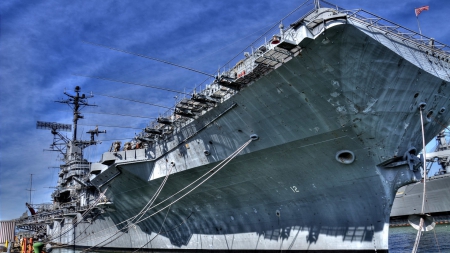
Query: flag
(420, 9)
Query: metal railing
(436, 48)
(49, 216)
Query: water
(401, 240)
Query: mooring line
(424, 165)
(213, 171)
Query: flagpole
(417, 11)
(418, 24)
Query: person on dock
(38, 245)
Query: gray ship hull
(265, 205)
(408, 199)
(287, 190)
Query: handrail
(48, 216)
(398, 30)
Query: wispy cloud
(41, 47)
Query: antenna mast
(76, 102)
(62, 143)
(31, 186)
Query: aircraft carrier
(302, 145)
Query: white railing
(435, 48)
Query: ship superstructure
(73, 193)
(300, 146)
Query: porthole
(429, 115)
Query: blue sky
(43, 49)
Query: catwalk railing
(436, 48)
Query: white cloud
(41, 46)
